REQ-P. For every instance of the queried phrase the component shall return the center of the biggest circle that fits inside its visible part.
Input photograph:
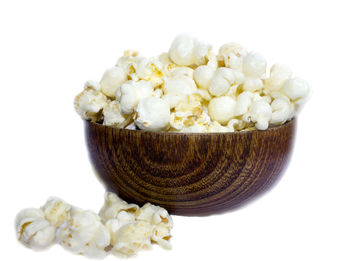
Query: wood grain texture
(189, 173)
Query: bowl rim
(276, 127)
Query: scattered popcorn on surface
(83, 233)
(113, 205)
(56, 211)
(120, 228)
(33, 230)
(190, 88)
(132, 238)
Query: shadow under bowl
(191, 174)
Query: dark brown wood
(189, 173)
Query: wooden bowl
(189, 173)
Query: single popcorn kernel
(56, 211)
(33, 230)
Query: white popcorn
(296, 88)
(124, 229)
(194, 128)
(56, 211)
(251, 84)
(112, 114)
(177, 89)
(132, 238)
(178, 119)
(222, 109)
(84, 234)
(217, 127)
(231, 48)
(33, 230)
(260, 113)
(154, 214)
(161, 220)
(279, 74)
(170, 92)
(281, 111)
(89, 104)
(180, 86)
(150, 70)
(182, 72)
(186, 50)
(161, 235)
(202, 76)
(113, 225)
(254, 65)
(204, 94)
(236, 124)
(129, 62)
(92, 84)
(131, 93)
(172, 100)
(152, 114)
(221, 81)
(113, 205)
(111, 80)
(232, 55)
(244, 100)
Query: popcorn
(56, 211)
(221, 81)
(189, 121)
(150, 70)
(113, 225)
(279, 74)
(185, 50)
(112, 114)
(281, 111)
(120, 228)
(202, 76)
(152, 114)
(111, 80)
(154, 214)
(296, 88)
(251, 84)
(182, 72)
(260, 113)
(129, 61)
(188, 78)
(89, 103)
(254, 65)
(194, 128)
(114, 205)
(221, 109)
(243, 103)
(132, 238)
(232, 55)
(84, 234)
(179, 86)
(131, 93)
(92, 85)
(177, 89)
(33, 230)
(161, 220)
(217, 127)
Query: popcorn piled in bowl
(120, 228)
(192, 89)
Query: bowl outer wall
(191, 174)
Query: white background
(50, 48)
